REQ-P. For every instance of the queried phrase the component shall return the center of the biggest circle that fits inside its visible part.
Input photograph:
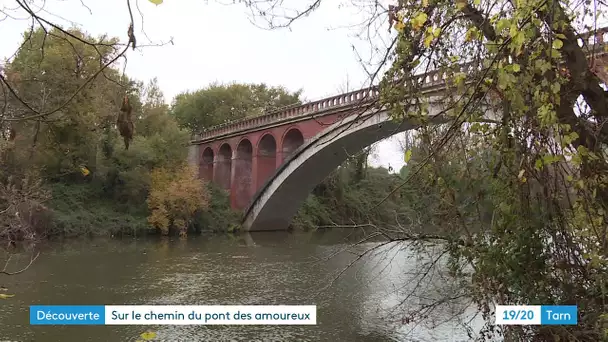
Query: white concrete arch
(275, 204)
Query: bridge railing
(350, 98)
(430, 79)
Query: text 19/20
(518, 315)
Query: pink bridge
(241, 156)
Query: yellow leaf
(472, 33)
(148, 335)
(557, 44)
(85, 171)
(156, 2)
(399, 26)
(408, 156)
(6, 296)
(436, 32)
(425, 3)
(428, 38)
(419, 20)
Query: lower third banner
(173, 315)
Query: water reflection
(354, 303)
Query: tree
(47, 28)
(219, 103)
(546, 242)
(23, 213)
(48, 71)
(159, 143)
(175, 197)
(79, 143)
(154, 116)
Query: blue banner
(558, 315)
(67, 315)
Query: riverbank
(82, 209)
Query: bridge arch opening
(291, 141)
(275, 205)
(223, 167)
(267, 159)
(243, 174)
(206, 164)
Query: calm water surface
(265, 268)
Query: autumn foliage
(175, 197)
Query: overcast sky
(218, 43)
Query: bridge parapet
(595, 41)
(292, 111)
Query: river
(360, 304)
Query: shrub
(175, 197)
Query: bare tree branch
(5, 272)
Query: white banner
(210, 315)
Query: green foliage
(81, 209)
(111, 197)
(314, 212)
(347, 198)
(217, 104)
(47, 78)
(522, 201)
(218, 216)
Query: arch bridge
(271, 163)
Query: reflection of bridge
(270, 163)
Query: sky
(214, 42)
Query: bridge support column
(265, 160)
(242, 175)
(206, 165)
(193, 155)
(222, 168)
(254, 176)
